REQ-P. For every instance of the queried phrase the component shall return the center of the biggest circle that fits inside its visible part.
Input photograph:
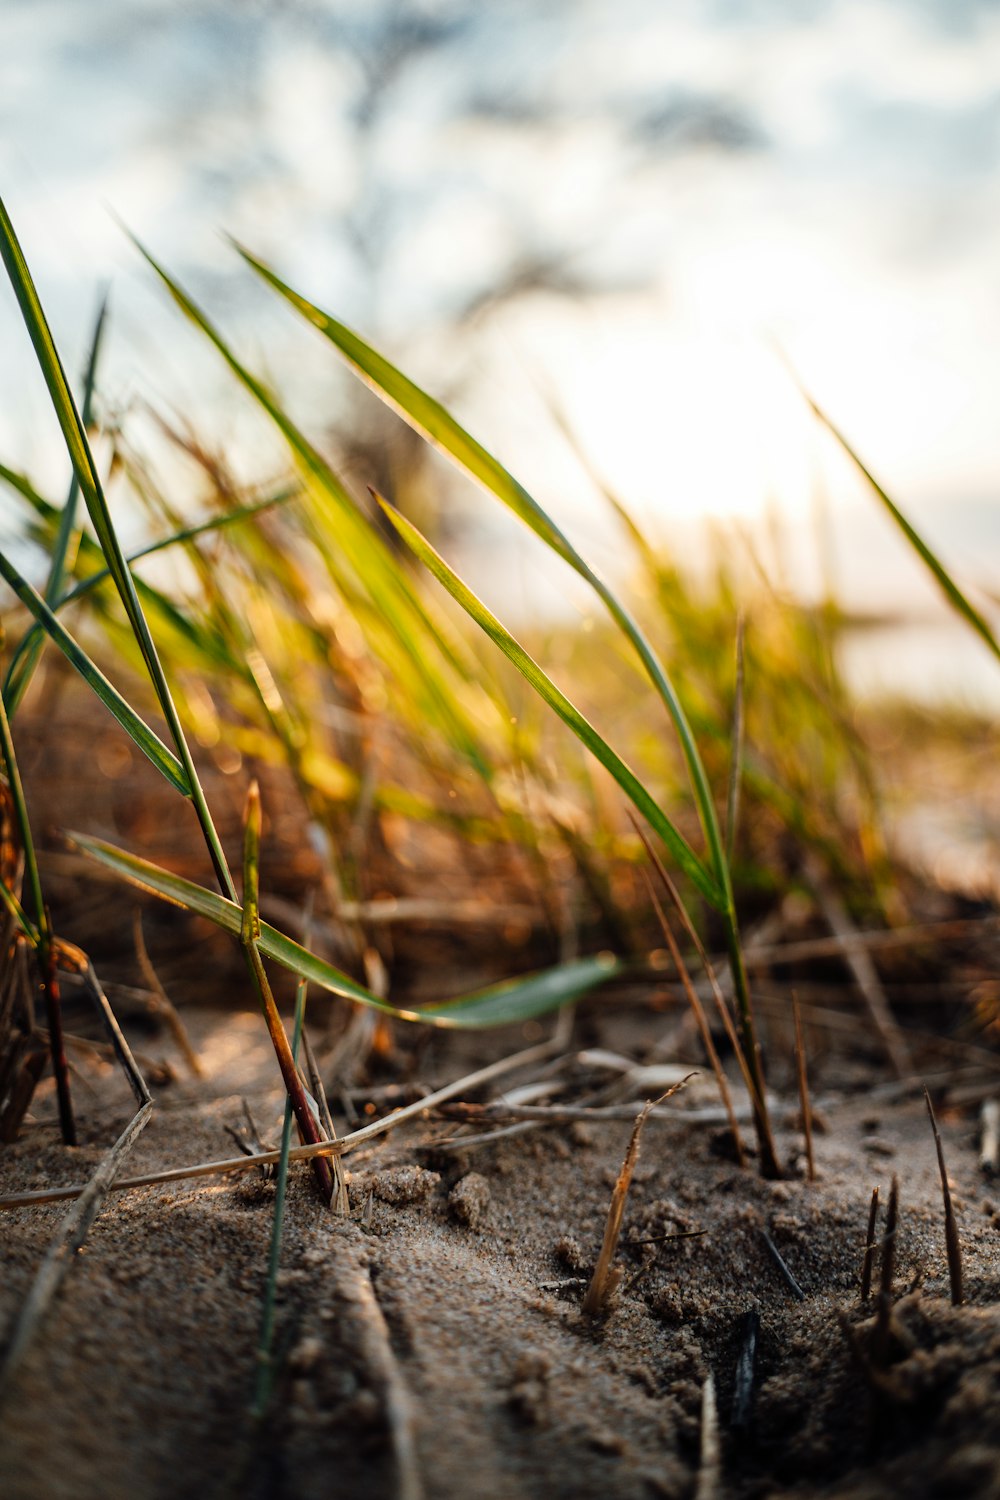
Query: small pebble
(400, 1185)
(469, 1199)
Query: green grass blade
(265, 1338)
(22, 484)
(153, 748)
(250, 926)
(431, 419)
(557, 700)
(959, 601)
(10, 901)
(423, 413)
(524, 999)
(184, 535)
(31, 875)
(28, 653)
(85, 468)
(509, 1003)
(67, 415)
(190, 632)
(347, 530)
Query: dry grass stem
(69, 1237)
(60, 1067)
(858, 960)
(883, 1320)
(729, 1026)
(765, 955)
(989, 1145)
(951, 1239)
(605, 1278)
(869, 1260)
(782, 1266)
(710, 1457)
(800, 1064)
(340, 1201)
(526, 1058)
(698, 1010)
(164, 1006)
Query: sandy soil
(434, 1344)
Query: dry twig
(605, 1279)
(800, 1062)
(710, 1462)
(950, 1225)
(858, 960)
(867, 1263)
(989, 1148)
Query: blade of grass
(250, 932)
(78, 447)
(605, 1280)
(181, 538)
(735, 748)
(28, 653)
(749, 1066)
(701, 1020)
(43, 950)
(265, 1340)
(151, 746)
(547, 690)
(430, 418)
(510, 1003)
(346, 533)
(959, 601)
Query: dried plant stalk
(800, 1064)
(880, 1350)
(950, 1224)
(701, 1020)
(605, 1279)
(866, 1267)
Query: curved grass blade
(557, 700)
(250, 938)
(959, 601)
(436, 424)
(512, 1002)
(82, 458)
(184, 535)
(43, 948)
(348, 531)
(265, 1338)
(151, 746)
(26, 657)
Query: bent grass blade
(344, 530)
(509, 1003)
(85, 468)
(958, 600)
(28, 654)
(151, 746)
(250, 938)
(557, 700)
(435, 423)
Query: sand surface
(433, 1343)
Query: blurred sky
(623, 202)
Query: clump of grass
(344, 620)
